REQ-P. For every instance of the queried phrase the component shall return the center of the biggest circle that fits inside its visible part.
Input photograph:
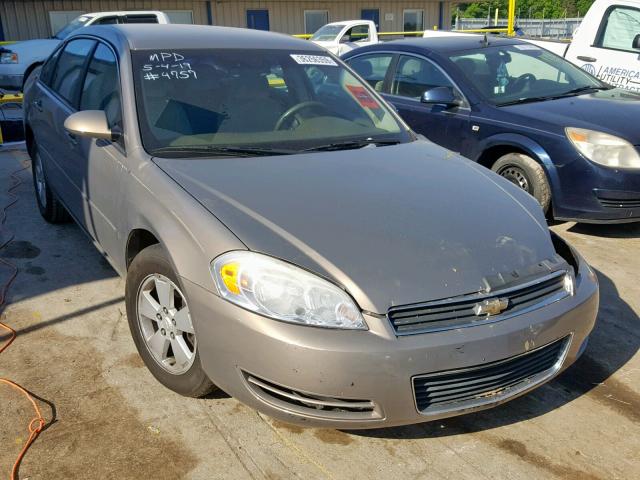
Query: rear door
(612, 57)
(58, 99)
(411, 76)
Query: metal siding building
(25, 19)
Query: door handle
(587, 59)
(72, 138)
(38, 105)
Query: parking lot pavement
(111, 419)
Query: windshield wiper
(212, 150)
(577, 91)
(349, 145)
(524, 100)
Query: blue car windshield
(522, 73)
(273, 99)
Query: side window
(373, 68)
(414, 76)
(106, 21)
(359, 33)
(68, 73)
(140, 19)
(49, 66)
(101, 86)
(622, 25)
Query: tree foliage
(535, 8)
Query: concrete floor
(111, 419)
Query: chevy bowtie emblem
(491, 307)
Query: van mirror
(636, 42)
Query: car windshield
(247, 99)
(81, 21)
(522, 73)
(327, 33)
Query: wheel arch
(498, 145)
(138, 240)
(30, 69)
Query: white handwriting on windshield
(169, 65)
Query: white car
(21, 59)
(341, 37)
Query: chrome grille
(462, 311)
(474, 386)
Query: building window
(314, 19)
(413, 20)
(59, 19)
(184, 17)
(258, 19)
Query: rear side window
(69, 70)
(101, 86)
(373, 68)
(106, 21)
(621, 27)
(140, 19)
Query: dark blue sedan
(559, 133)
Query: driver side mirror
(440, 96)
(636, 42)
(91, 124)
(345, 38)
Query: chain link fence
(559, 28)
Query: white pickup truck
(341, 37)
(606, 44)
(19, 60)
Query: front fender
(530, 147)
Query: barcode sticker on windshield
(314, 60)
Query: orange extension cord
(38, 422)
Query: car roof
(174, 36)
(450, 43)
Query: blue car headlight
(604, 149)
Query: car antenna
(485, 40)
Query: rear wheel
(161, 326)
(50, 207)
(527, 174)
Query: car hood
(393, 225)
(39, 47)
(617, 113)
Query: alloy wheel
(165, 324)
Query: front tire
(48, 204)
(526, 173)
(161, 325)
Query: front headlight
(276, 289)
(604, 149)
(8, 57)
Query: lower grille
(314, 405)
(484, 384)
(617, 198)
(462, 311)
(619, 203)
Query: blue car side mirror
(440, 96)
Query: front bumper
(591, 193)
(238, 348)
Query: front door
(612, 57)
(258, 19)
(412, 76)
